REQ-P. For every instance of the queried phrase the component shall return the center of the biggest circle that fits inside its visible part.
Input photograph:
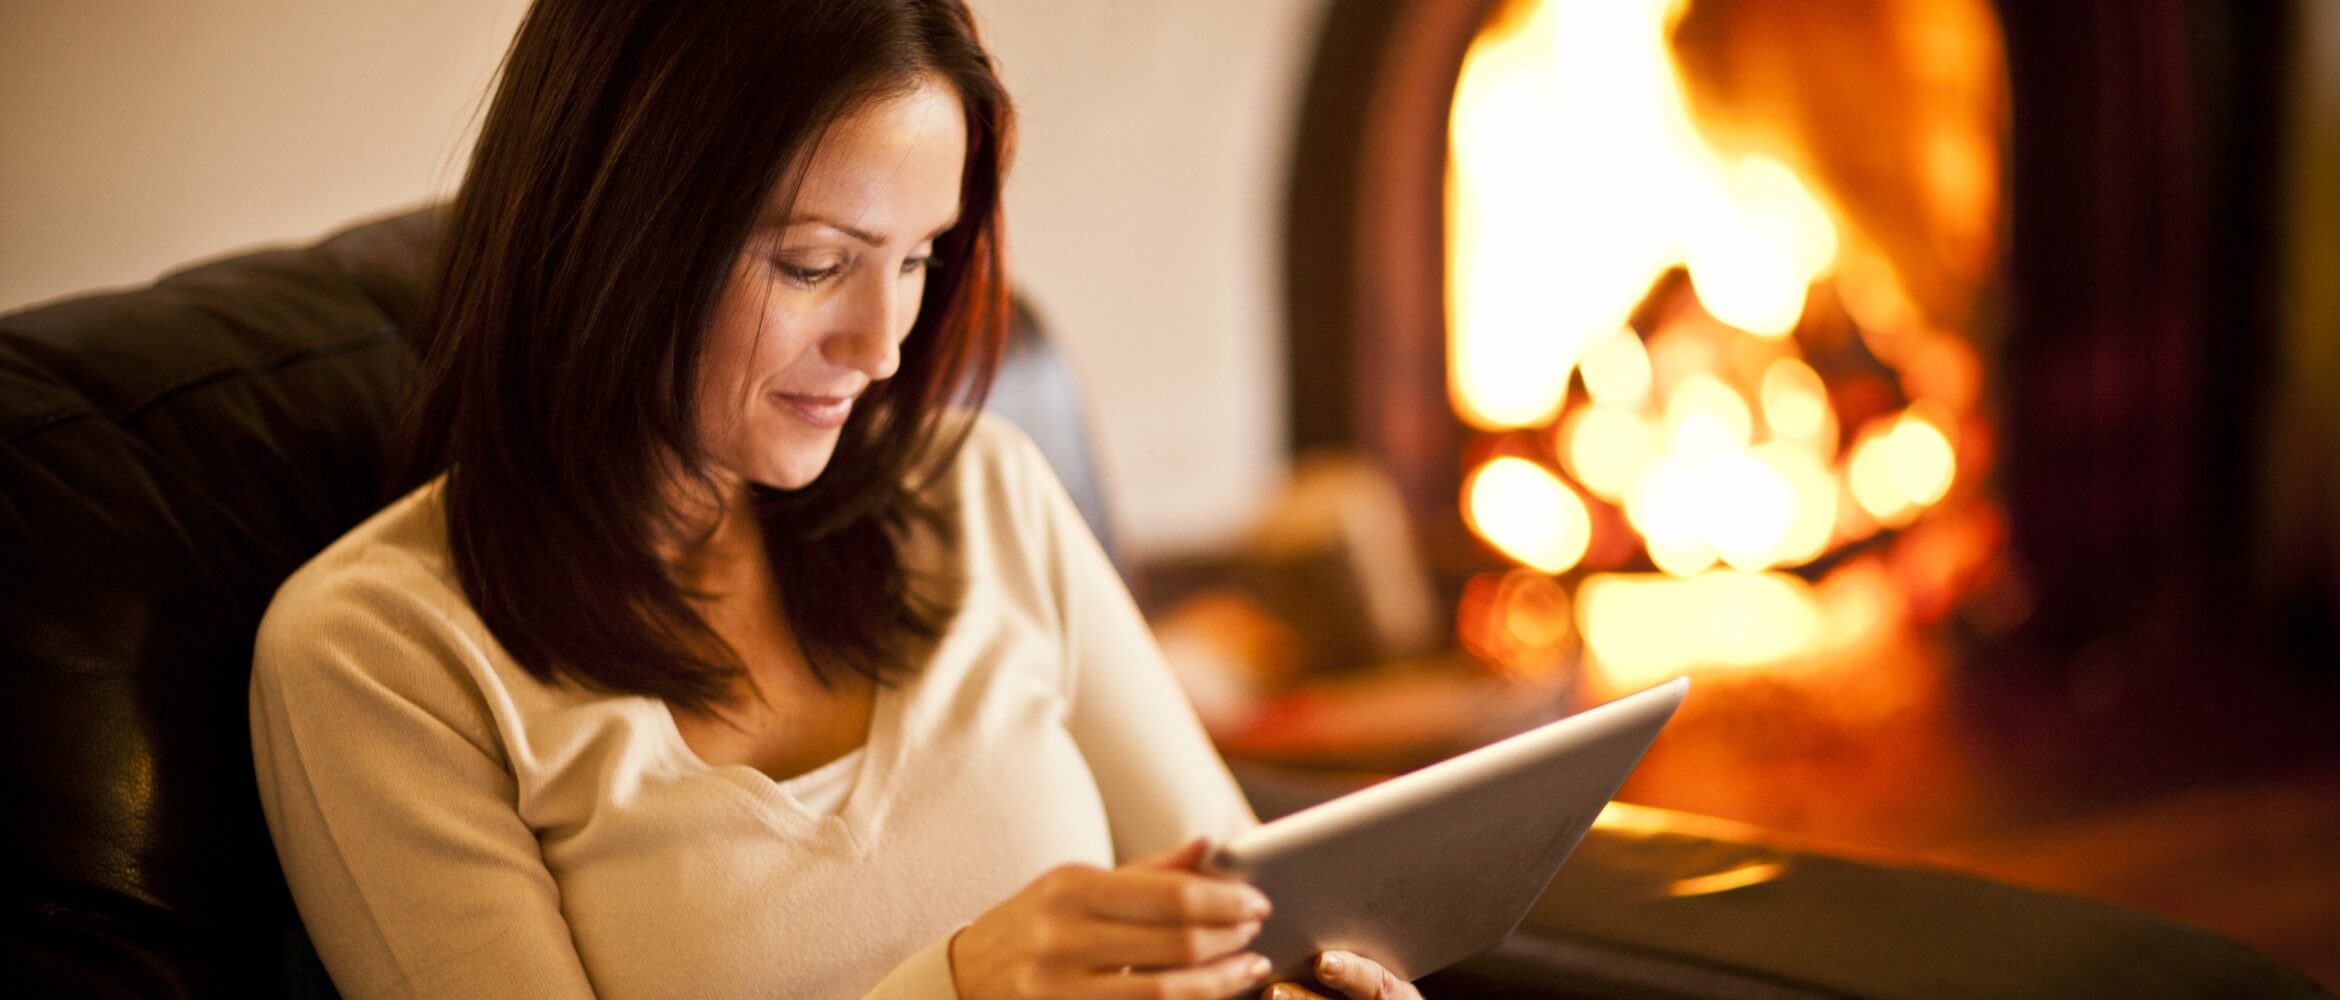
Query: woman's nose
(870, 338)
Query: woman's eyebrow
(863, 235)
(793, 221)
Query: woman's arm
(1162, 782)
(391, 806)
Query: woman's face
(827, 287)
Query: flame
(1813, 525)
(1616, 370)
(1557, 235)
(1606, 449)
(1527, 512)
(1642, 629)
(1705, 418)
(1754, 250)
(1578, 178)
(1795, 403)
(1901, 466)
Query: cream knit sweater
(452, 827)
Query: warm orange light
(1736, 877)
(1795, 402)
(1546, 253)
(1578, 177)
(1520, 622)
(1875, 485)
(1535, 611)
(1750, 509)
(1707, 417)
(1923, 463)
(1522, 509)
(1606, 449)
(1879, 307)
(1666, 508)
(1861, 603)
(1616, 370)
(1642, 628)
(1813, 525)
(1901, 466)
(1753, 250)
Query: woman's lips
(820, 411)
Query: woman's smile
(823, 411)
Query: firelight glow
(1578, 179)
(1642, 628)
(1531, 515)
(1900, 467)
(1559, 230)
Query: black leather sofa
(168, 454)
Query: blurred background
(1952, 387)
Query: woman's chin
(795, 471)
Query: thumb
(1182, 858)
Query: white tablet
(1434, 866)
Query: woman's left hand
(1357, 977)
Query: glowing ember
(1795, 404)
(1606, 448)
(1616, 370)
(1528, 513)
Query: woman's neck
(722, 545)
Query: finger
(1237, 973)
(1181, 858)
(1361, 978)
(1161, 946)
(1291, 991)
(1154, 896)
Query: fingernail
(1283, 991)
(1330, 962)
(1259, 968)
(1255, 904)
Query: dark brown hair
(622, 162)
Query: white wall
(1146, 213)
(136, 136)
(1145, 208)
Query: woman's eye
(807, 277)
(916, 265)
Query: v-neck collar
(851, 831)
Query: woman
(725, 656)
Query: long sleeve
(1161, 780)
(391, 809)
(453, 826)
(923, 976)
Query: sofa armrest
(1662, 904)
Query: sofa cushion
(167, 455)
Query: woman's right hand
(1153, 928)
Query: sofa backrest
(167, 456)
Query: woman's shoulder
(390, 574)
(998, 462)
(993, 440)
(405, 541)
(375, 631)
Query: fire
(1532, 516)
(1579, 178)
(1559, 231)
(1635, 624)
